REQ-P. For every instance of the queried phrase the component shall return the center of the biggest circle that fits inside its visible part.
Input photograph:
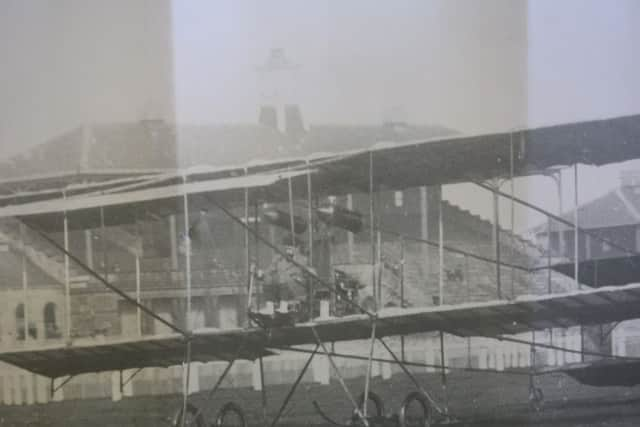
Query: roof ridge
(632, 209)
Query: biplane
(270, 189)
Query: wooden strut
(263, 392)
(187, 374)
(293, 387)
(402, 302)
(443, 375)
(340, 379)
(367, 379)
(413, 379)
(124, 382)
(55, 388)
(213, 390)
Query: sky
(468, 65)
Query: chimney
(268, 117)
(293, 124)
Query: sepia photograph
(319, 213)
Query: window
(20, 325)
(51, 329)
(398, 198)
(20, 322)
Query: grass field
(475, 399)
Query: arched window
(51, 329)
(20, 322)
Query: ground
(476, 399)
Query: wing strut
(55, 388)
(367, 379)
(341, 379)
(124, 382)
(213, 390)
(294, 386)
(411, 376)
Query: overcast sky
(474, 66)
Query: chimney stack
(293, 124)
(268, 117)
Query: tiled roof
(616, 208)
(154, 145)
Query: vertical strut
(186, 372)
(311, 284)
(67, 285)
(310, 215)
(292, 224)
(372, 229)
(513, 216)
(263, 392)
(379, 267)
(139, 251)
(103, 244)
(440, 251)
(367, 379)
(25, 285)
(256, 244)
(576, 246)
(187, 245)
(402, 305)
(443, 374)
(496, 237)
(247, 258)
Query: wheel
(191, 420)
(230, 415)
(408, 416)
(377, 403)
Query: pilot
(286, 281)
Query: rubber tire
(424, 402)
(377, 401)
(177, 418)
(226, 409)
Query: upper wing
(480, 157)
(124, 207)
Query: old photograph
(316, 213)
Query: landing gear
(194, 418)
(377, 411)
(415, 411)
(230, 415)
